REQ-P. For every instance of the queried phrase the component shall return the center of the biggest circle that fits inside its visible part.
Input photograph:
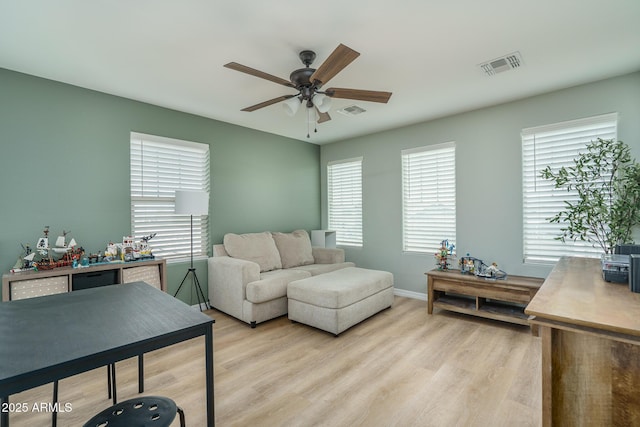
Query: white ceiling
(171, 52)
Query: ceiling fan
(308, 81)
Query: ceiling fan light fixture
(291, 106)
(308, 81)
(312, 115)
(322, 102)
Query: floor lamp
(192, 203)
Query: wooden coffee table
(503, 299)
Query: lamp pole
(188, 202)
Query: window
(345, 200)
(428, 197)
(554, 145)
(159, 166)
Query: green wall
(488, 175)
(64, 162)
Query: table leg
(113, 383)
(141, 373)
(208, 343)
(429, 295)
(54, 415)
(109, 386)
(546, 337)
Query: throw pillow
(294, 248)
(257, 247)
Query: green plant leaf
(607, 181)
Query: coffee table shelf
(503, 300)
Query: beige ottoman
(337, 300)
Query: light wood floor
(401, 367)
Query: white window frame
(159, 166)
(554, 145)
(344, 200)
(428, 197)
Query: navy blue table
(49, 338)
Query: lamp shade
(322, 102)
(291, 106)
(192, 202)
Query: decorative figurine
(145, 249)
(43, 242)
(126, 252)
(62, 246)
(46, 257)
(44, 262)
(477, 267)
(490, 272)
(444, 253)
(134, 251)
(468, 264)
(111, 253)
(69, 254)
(25, 261)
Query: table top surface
(520, 281)
(55, 331)
(575, 293)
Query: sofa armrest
(228, 278)
(327, 255)
(219, 250)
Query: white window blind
(159, 167)
(555, 145)
(428, 197)
(344, 188)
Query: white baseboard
(410, 294)
(203, 305)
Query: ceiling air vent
(504, 63)
(352, 110)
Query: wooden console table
(503, 299)
(27, 284)
(590, 337)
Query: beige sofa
(249, 273)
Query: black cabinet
(94, 279)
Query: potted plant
(607, 182)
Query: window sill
(186, 260)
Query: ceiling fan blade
(323, 117)
(267, 103)
(362, 95)
(336, 62)
(258, 73)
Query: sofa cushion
(273, 284)
(294, 248)
(316, 269)
(327, 255)
(218, 251)
(257, 247)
